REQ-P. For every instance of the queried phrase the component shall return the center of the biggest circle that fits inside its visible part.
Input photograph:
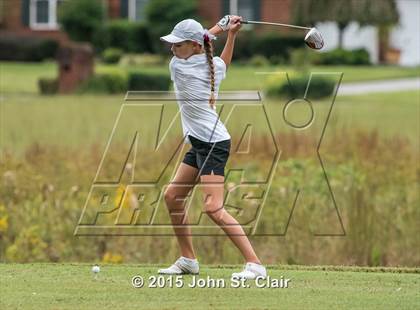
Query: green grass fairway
(72, 286)
(22, 78)
(83, 120)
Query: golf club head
(314, 39)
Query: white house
(405, 36)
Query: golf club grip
(244, 22)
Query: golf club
(313, 38)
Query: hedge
(109, 83)
(131, 37)
(48, 86)
(117, 82)
(343, 57)
(27, 48)
(319, 87)
(273, 46)
(112, 55)
(143, 81)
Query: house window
(43, 14)
(136, 9)
(244, 8)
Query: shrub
(47, 48)
(109, 83)
(119, 34)
(243, 46)
(48, 86)
(81, 19)
(125, 35)
(258, 61)
(302, 58)
(361, 57)
(143, 81)
(142, 60)
(162, 15)
(278, 60)
(110, 258)
(142, 38)
(112, 55)
(344, 57)
(28, 246)
(320, 87)
(118, 82)
(23, 48)
(273, 46)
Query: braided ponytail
(208, 48)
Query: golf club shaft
(273, 24)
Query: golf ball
(96, 269)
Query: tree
(163, 15)
(383, 14)
(366, 12)
(81, 19)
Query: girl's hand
(235, 24)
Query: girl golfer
(197, 76)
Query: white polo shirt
(191, 79)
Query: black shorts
(208, 157)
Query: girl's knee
(215, 212)
(169, 195)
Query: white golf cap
(188, 29)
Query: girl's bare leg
(184, 181)
(213, 192)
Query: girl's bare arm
(234, 27)
(216, 30)
(227, 52)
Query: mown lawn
(80, 121)
(73, 286)
(23, 77)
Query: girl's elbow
(226, 61)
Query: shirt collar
(195, 58)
